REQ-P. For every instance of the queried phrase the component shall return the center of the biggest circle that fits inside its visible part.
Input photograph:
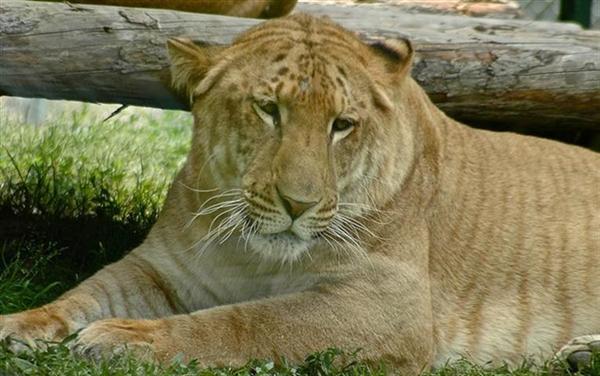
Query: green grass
(78, 193)
(58, 361)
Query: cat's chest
(231, 275)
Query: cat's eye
(270, 108)
(268, 111)
(342, 125)
(340, 128)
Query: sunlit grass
(56, 360)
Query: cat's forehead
(301, 59)
(302, 44)
(300, 73)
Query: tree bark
(236, 8)
(531, 74)
(481, 8)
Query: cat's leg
(385, 313)
(131, 287)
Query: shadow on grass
(71, 249)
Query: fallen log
(493, 9)
(532, 74)
(238, 8)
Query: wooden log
(495, 9)
(236, 8)
(533, 74)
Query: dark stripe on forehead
(302, 28)
(279, 57)
(343, 48)
(280, 33)
(336, 31)
(298, 22)
(236, 52)
(278, 88)
(333, 54)
(279, 41)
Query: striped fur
(428, 240)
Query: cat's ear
(394, 58)
(190, 64)
(396, 55)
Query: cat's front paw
(106, 338)
(578, 352)
(26, 328)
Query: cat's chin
(284, 247)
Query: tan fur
(237, 8)
(425, 240)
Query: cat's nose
(295, 208)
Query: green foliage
(81, 191)
(17, 288)
(528, 368)
(70, 168)
(56, 360)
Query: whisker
(210, 235)
(205, 209)
(219, 206)
(337, 244)
(242, 232)
(236, 218)
(229, 192)
(346, 237)
(369, 214)
(359, 226)
(253, 231)
(343, 232)
(229, 220)
(199, 175)
(198, 190)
